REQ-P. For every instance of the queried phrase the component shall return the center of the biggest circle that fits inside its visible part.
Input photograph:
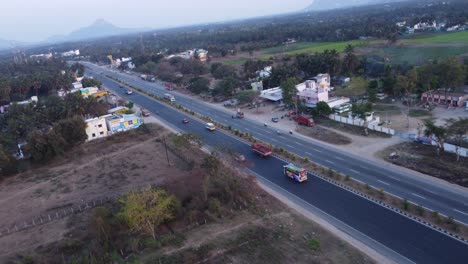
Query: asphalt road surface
(445, 198)
(391, 234)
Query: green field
(235, 61)
(310, 47)
(419, 55)
(457, 37)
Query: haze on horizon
(37, 20)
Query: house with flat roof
(96, 128)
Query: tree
(8, 164)
(246, 96)
(145, 211)
(372, 90)
(199, 85)
(91, 82)
(362, 111)
(458, 129)
(289, 91)
(351, 61)
(226, 87)
(223, 71)
(43, 147)
(439, 132)
(323, 109)
(72, 130)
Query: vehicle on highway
(121, 86)
(303, 120)
(262, 150)
(169, 97)
(145, 112)
(185, 121)
(296, 173)
(275, 119)
(210, 126)
(239, 115)
(240, 158)
(129, 92)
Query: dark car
(275, 119)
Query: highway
(446, 199)
(391, 234)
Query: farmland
(457, 37)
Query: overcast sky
(35, 20)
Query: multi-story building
(96, 128)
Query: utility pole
(167, 154)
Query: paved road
(444, 198)
(393, 235)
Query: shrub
(347, 178)
(406, 205)
(293, 156)
(420, 210)
(306, 159)
(313, 244)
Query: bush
(214, 206)
(420, 210)
(347, 178)
(406, 205)
(293, 156)
(313, 244)
(306, 159)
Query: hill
(320, 5)
(100, 28)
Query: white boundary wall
(360, 122)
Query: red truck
(303, 120)
(262, 150)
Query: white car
(129, 92)
(210, 126)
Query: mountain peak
(100, 21)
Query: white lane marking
(396, 179)
(308, 153)
(331, 162)
(319, 151)
(460, 212)
(422, 197)
(290, 146)
(431, 192)
(338, 158)
(268, 132)
(297, 143)
(386, 183)
(355, 171)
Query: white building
(42, 56)
(265, 73)
(76, 85)
(96, 128)
(70, 53)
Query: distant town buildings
(200, 54)
(309, 92)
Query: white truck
(169, 97)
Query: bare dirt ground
(98, 168)
(424, 159)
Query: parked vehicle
(263, 150)
(129, 92)
(169, 97)
(145, 112)
(143, 77)
(303, 120)
(210, 126)
(295, 173)
(185, 121)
